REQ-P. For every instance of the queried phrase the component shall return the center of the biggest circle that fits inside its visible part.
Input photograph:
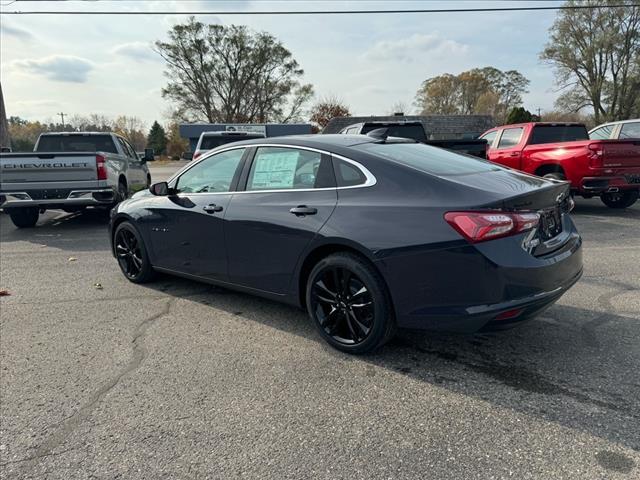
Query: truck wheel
(24, 217)
(555, 176)
(122, 192)
(622, 199)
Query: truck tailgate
(620, 153)
(25, 168)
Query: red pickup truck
(563, 151)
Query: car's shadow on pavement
(570, 366)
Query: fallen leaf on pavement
(4, 293)
(98, 286)
(72, 259)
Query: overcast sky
(104, 64)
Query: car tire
(622, 199)
(131, 254)
(356, 317)
(556, 176)
(24, 217)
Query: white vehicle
(622, 130)
(210, 140)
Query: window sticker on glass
(274, 170)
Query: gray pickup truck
(70, 171)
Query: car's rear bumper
(598, 185)
(471, 287)
(54, 198)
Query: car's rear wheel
(623, 199)
(132, 254)
(24, 217)
(349, 303)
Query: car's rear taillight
(482, 226)
(196, 155)
(101, 166)
(596, 155)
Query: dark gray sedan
(367, 233)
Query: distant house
(438, 127)
(192, 131)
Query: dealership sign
(247, 128)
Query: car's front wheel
(24, 217)
(622, 199)
(349, 303)
(132, 254)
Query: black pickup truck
(415, 131)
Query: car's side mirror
(148, 155)
(160, 189)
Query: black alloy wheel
(349, 304)
(622, 199)
(131, 254)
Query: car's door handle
(514, 154)
(212, 208)
(302, 210)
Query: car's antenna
(379, 134)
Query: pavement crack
(67, 426)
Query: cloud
(17, 32)
(417, 47)
(62, 68)
(140, 51)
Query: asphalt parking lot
(182, 380)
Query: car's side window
(125, 148)
(213, 174)
(490, 137)
(601, 133)
(278, 168)
(347, 174)
(132, 151)
(630, 130)
(510, 137)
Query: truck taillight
(101, 166)
(596, 155)
(482, 226)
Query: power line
(321, 12)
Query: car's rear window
(416, 132)
(76, 143)
(433, 160)
(558, 133)
(211, 142)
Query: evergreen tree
(157, 139)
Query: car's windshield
(433, 160)
(213, 141)
(76, 143)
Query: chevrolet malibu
(367, 233)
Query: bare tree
(326, 109)
(596, 54)
(231, 74)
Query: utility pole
(62, 117)
(539, 116)
(5, 141)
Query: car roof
(74, 133)
(618, 122)
(220, 133)
(313, 140)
